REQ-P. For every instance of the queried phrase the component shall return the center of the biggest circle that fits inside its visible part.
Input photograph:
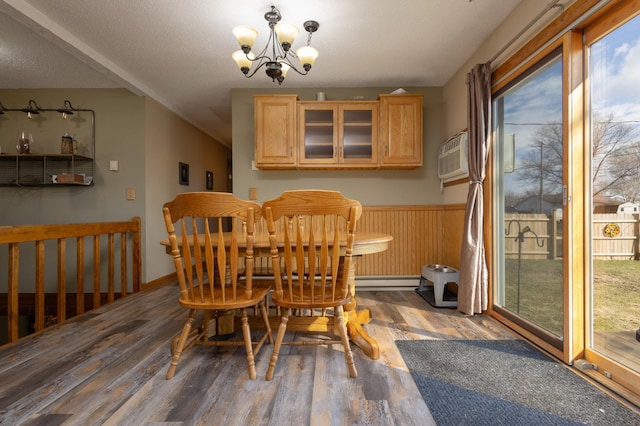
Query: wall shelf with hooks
(49, 161)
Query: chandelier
(276, 56)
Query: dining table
(365, 243)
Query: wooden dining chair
(214, 268)
(311, 235)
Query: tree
(615, 159)
(542, 164)
(616, 170)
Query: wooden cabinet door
(401, 131)
(275, 131)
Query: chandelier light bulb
(285, 68)
(286, 35)
(246, 36)
(243, 60)
(308, 56)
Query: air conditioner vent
(452, 158)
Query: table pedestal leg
(357, 319)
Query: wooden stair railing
(14, 236)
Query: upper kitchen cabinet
(350, 134)
(400, 131)
(338, 135)
(275, 131)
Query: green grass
(616, 293)
(540, 291)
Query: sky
(615, 75)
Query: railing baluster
(79, 275)
(96, 271)
(62, 280)
(111, 266)
(12, 292)
(136, 261)
(123, 265)
(40, 303)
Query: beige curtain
(473, 285)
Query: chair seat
(286, 301)
(217, 303)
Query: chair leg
(186, 329)
(267, 324)
(248, 345)
(204, 329)
(276, 347)
(342, 328)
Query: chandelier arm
(277, 52)
(293, 67)
(255, 70)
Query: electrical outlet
(131, 194)
(253, 193)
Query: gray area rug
(505, 382)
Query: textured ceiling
(178, 52)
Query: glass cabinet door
(338, 134)
(319, 135)
(359, 134)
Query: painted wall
(374, 187)
(168, 141)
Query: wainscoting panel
(421, 235)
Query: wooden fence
(539, 236)
(32, 272)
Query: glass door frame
(573, 298)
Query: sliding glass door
(529, 199)
(613, 322)
(565, 191)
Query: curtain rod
(550, 6)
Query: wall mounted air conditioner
(452, 158)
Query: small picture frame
(209, 180)
(183, 173)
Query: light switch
(131, 194)
(113, 165)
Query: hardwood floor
(108, 367)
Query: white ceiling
(179, 52)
